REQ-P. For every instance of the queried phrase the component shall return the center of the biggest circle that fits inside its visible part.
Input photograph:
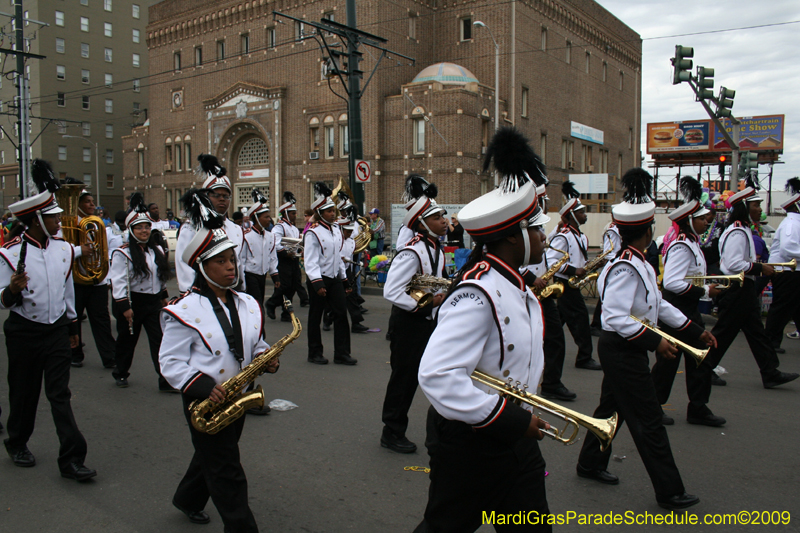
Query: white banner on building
(590, 183)
(587, 133)
(253, 174)
(398, 213)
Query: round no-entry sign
(363, 171)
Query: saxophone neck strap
(233, 327)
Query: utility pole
(354, 112)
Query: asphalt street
(320, 467)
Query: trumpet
(421, 288)
(698, 354)
(292, 245)
(577, 282)
(602, 429)
(725, 280)
(790, 264)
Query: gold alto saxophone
(422, 286)
(210, 417)
(578, 282)
(602, 429)
(696, 353)
(554, 289)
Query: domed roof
(446, 74)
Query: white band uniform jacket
(611, 236)
(786, 242)
(737, 251)
(322, 246)
(50, 292)
(194, 353)
(575, 244)
(185, 272)
(284, 229)
(628, 286)
(122, 267)
(413, 259)
(404, 235)
(491, 322)
(684, 258)
(260, 255)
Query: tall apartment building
(235, 81)
(91, 88)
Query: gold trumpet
(790, 264)
(696, 353)
(726, 280)
(602, 429)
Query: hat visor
(702, 212)
(539, 219)
(52, 210)
(754, 199)
(216, 250)
(579, 207)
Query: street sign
(363, 171)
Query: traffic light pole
(354, 109)
(733, 141)
(23, 122)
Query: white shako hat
(514, 205)
(210, 238)
(322, 195)
(288, 204)
(343, 200)
(261, 204)
(637, 207)
(216, 175)
(43, 203)
(748, 194)
(138, 213)
(692, 191)
(416, 188)
(793, 188)
(571, 194)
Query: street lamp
(496, 82)
(96, 163)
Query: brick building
(229, 79)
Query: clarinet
(128, 285)
(23, 251)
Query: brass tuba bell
(91, 268)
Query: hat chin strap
(44, 228)
(217, 285)
(526, 241)
(135, 238)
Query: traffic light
(680, 65)
(723, 160)
(747, 162)
(705, 82)
(725, 102)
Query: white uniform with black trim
(186, 273)
(122, 268)
(194, 343)
(404, 235)
(575, 244)
(737, 251)
(786, 242)
(322, 245)
(260, 254)
(412, 259)
(683, 258)
(284, 229)
(611, 237)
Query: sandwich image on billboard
(667, 137)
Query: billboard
(755, 133)
(667, 137)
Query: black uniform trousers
(554, 345)
(256, 286)
(94, 300)
(574, 314)
(740, 310)
(628, 390)
(473, 474)
(785, 305)
(35, 352)
(664, 370)
(147, 314)
(411, 332)
(216, 472)
(353, 301)
(597, 321)
(335, 300)
(290, 277)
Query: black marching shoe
(317, 360)
(326, 327)
(259, 411)
(603, 476)
(304, 304)
(667, 420)
(561, 393)
(1, 427)
(122, 382)
(76, 364)
(706, 419)
(344, 360)
(679, 501)
(363, 310)
(591, 364)
(718, 381)
(595, 331)
(397, 444)
(195, 517)
(779, 378)
(779, 350)
(359, 328)
(78, 472)
(271, 312)
(22, 458)
(286, 318)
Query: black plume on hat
(751, 181)
(289, 197)
(343, 196)
(638, 184)
(321, 190)
(43, 176)
(417, 186)
(690, 189)
(793, 186)
(137, 203)
(514, 159)
(209, 164)
(71, 181)
(569, 191)
(259, 197)
(200, 211)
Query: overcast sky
(758, 63)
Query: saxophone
(554, 289)
(422, 286)
(210, 417)
(591, 267)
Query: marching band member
(611, 241)
(554, 344)
(628, 286)
(411, 325)
(490, 322)
(353, 299)
(259, 255)
(139, 273)
(785, 283)
(415, 189)
(36, 285)
(571, 305)
(739, 308)
(326, 273)
(217, 187)
(210, 335)
(289, 273)
(684, 258)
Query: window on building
(86, 129)
(245, 40)
(485, 134)
(136, 107)
(87, 155)
(412, 26)
(110, 157)
(220, 50)
(3, 162)
(136, 36)
(419, 136)
(314, 138)
(137, 85)
(87, 178)
(108, 31)
(169, 198)
(621, 80)
(108, 53)
(589, 159)
(344, 141)
(84, 2)
(299, 31)
(59, 18)
(605, 71)
(564, 159)
(62, 153)
(168, 156)
(630, 138)
(109, 181)
(61, 72)
(619, 165)
(588, 62)
(140, 159)
(136, 60)
(176, 60)
(62, 100)
(60, 46)
(465, 26)
(568, 49)
(84, 23)
(198, 56)
(135, 11)
(60, 126)
(571, 155)
(544, 38)
(178, 155)
(109, 80)
(109, 131)
(271, 37)
(85, 76)
(109, 105)
(543, 148)
(329, 15)
(85, 102)
(524, 102)
(330, 146)
(85, 50)
(107, 5)
(187, 151)
(583, 158)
